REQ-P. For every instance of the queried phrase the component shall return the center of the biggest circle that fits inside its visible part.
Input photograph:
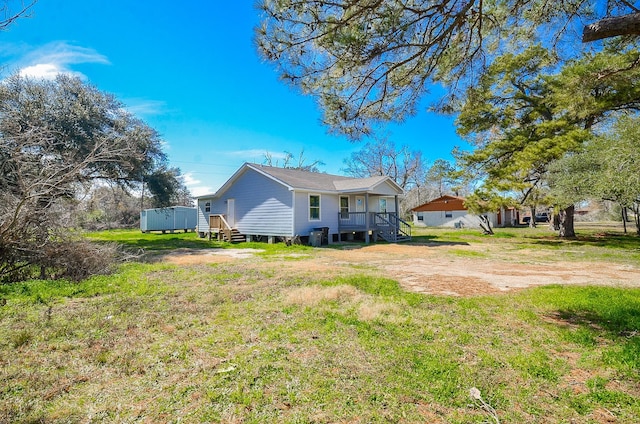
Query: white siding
(439, 219)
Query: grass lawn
(243, 341)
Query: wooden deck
(218, 225)
(386, 225)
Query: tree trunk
(636, 213)
(624, 218)
(566, 222)
(611, 27)
(532, 221)
(485, 224)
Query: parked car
(540, 217)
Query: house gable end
(372, 185)
(388, 187)
(243, 169)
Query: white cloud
(41, 71)
(142, 107)
(58, 58)
(200, 191)
(194, 185)
(256, 153)
(247, 153)
(189, 180)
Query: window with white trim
(314, 207)
(207, 207)
(383, 205)
(344, 207)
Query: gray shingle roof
(312, 181)
(358, 183)
(304, 180)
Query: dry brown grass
(313, 295)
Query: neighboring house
(450, 211)
(268, 202)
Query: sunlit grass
(158, 243)
(593, 242)
(245, 341)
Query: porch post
(366, 217)
(397, 214)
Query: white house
(450, 211)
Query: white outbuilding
(450, 211)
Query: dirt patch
(455, 270)
(193, 257)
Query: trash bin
(325, 234)
(315, 238)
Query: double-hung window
(383, 205)
(314, 207)
(344, 207)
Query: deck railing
(219, 225)
(392, 227)
(358, 221)
(352, 220)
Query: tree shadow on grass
(433, 241)
(164, 243)
(586, 327)
(608, 240)
(591, 313)
(429, 241)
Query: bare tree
(11, 14)
(382, 157)
(291, 162)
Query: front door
(360, 204)
(231, 212)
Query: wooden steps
(236, 237)
(392, 236)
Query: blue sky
(191, 71)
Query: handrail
(226, 227)
(393, 220)
(382, 222)
(404, 227)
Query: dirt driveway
(458, 270)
